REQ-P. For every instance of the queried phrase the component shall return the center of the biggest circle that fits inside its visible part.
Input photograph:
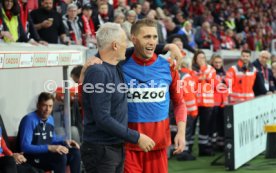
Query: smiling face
(145, 41)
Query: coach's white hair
(107, 33)
(264, 53)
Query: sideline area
(202, 165)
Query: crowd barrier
(244, 129)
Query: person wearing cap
(89, 29)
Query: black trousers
(7, 165)
(56, 162)
(205, 126)
(217, 121)
(103, 158)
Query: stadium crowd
(202, 24)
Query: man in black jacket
(264, 79)
(105, 107)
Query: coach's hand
(145, 143)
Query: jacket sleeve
(258, 87)
(176, 94)
(23, 37)
(6, 150)
(186, 44)
(102, 101)
(26, 131)
(33, 33)
(272, 87)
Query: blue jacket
(35, 135)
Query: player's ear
(133, 38)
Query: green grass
(203, 165)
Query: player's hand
(58, 149)
(145, 143)
(176, 55)
(90, 61)
(179, 143)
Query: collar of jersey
(144, 62)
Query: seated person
(75, 73)
(39, 143)
(13, 162)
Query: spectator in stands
(153, 16)
(102, 15)
(240, 79)
(49, 23)
(109, 16)
(73, 25)
(230, 22)
(215, 37)
(137, 8)
(188, 31)
(130, 19)
(12, 29)
(119, 17)
(183, 40)
(28, 24)
(145, 10)
(227, 41)
(60, 6)
(202, 36)
(239, 20)
(179, 18)
(173, 31)
(88, 26)
(264, 77)
(122, 6)
(41, 146)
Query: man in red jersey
(152, 83)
